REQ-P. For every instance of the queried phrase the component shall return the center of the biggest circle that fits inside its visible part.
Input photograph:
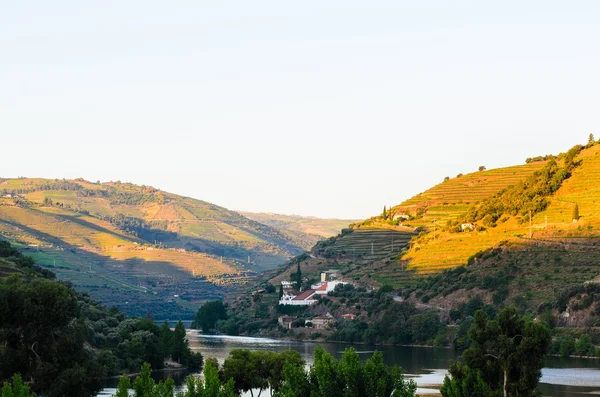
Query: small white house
(401, 216)
(287, 285)
(467, 226)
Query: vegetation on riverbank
(64, 343)
(284, 375)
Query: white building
(323, 288)
(467, 226)
(305, 298)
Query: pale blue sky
(326, 108)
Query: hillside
(437, 214)
(128, 244)
(306, 231)
(466, 244)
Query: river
(561, 377)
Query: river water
(561, 377)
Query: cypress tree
(576, 212)
(298, 278)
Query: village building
(323, 288)
(349, 316)
(322, 322)
(467, 226)
(293, 298)
(286, 321)
(401, 216)
(287, 285)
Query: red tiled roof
(322, 287)
(305, 295)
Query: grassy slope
(110, 263)
(448, 250)
(450, 199)
(306, 231)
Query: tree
(508, 351)
(297, 278)
(144, 385)
(43, 339)
(246, 369)
(165, 339)
(347, 377)
(482, 168)
(446, 179)
(384, 214)
(576, 212)
(464, 382)
(179, 344)
(211, 387)
(591, 140)
(208, 315)
(17, 389)
(585, 346)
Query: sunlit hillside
(444, 249)
(433, 221)
(455, 196)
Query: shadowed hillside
(120, 241)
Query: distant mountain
(120, 241)
(304, 230)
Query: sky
(322, 108)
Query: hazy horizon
(319, 109)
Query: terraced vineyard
(439, 249)
(372, 243)
(452, 198)
(448, 250)
(354, 255)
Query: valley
(136, 247)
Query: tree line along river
(561, 377)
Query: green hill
(129, 245)
(306, 231)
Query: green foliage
(464, 382)
(258, 369)
(347, 377)
(44, 326)
(584, 346)
(507, 351)
(16, 389)
(296, 278)
(42, 338)
(209, 314)
(528, 195)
